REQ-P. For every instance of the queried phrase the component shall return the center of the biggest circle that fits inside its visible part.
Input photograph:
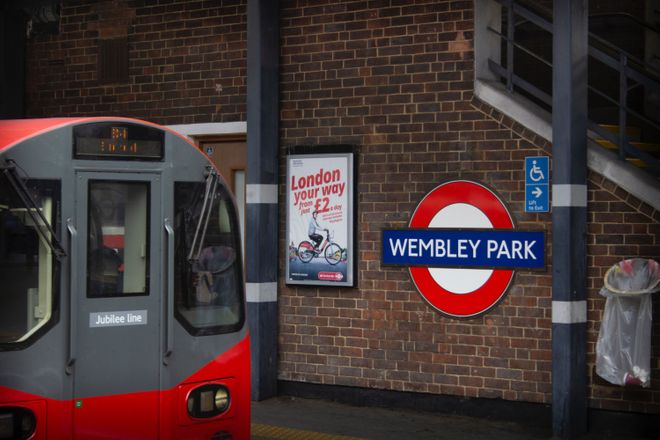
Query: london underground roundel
(455, 208)
(461, 292)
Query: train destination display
(114, 141)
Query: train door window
(118, 240)
(229, 154)
(208, 285)
(28, 267)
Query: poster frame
(326, 152)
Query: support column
(261, 192)
(569, 218)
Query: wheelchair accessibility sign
(461, 247)
(537, 184)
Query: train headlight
(191, 404)
(208, 401)
(16, 423)
(6, 425)
(222, 399)
(28, 424)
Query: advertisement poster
(320, 219)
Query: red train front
(122, 310)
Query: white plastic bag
(623, 350)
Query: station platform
(293, 418)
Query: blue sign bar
(489, 248)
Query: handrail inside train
(32, 209)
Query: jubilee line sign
(461, 248)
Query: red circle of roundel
(481, 300)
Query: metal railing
(632, 73)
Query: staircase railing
(631, 71)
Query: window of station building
(207, 279)
(28, 268)
(118, 239)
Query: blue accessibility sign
(537, 184)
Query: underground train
(122, 305)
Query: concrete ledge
(637, 182)
(535, 416)
(210, 128)
(516, 107)
(630, 178)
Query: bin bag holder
(623, 350)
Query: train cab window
(28, 265)
(117, 239)
(208, 286)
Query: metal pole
(261, 192)
(569, 218)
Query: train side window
(117, 239)
(28, 267)
(208, 285)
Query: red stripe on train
(56, 418)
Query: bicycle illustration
(330, 250)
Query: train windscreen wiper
(21, 191)
(204, 216)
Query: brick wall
(186, 60)
(396, 80)
(620, 226)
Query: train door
(117, 310)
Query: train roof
(13, 131)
